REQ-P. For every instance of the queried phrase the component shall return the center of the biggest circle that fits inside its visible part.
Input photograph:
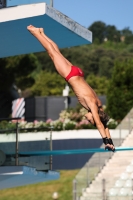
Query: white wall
(59, 135)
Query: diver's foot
(41, 30)
(113, 148)
(109, 147)
(33, 30)
(111, 143)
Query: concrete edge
(69, 23)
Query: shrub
(70, 125)
(5, 125)
(112, 124)
(76, 114)
(67, 121)
(84, 124)
(58, 125)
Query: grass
(43, 191)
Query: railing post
(99, 162)
(103, 189)
(51, 148)
(120, 135)
(129, 127)
(17, 151)
(74, 189)
(87, 172)
(132, 188)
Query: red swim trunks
(75, 71)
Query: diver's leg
(61, 65)
(53, 43)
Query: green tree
(112, 33)
(106, 65)
(45, 61)
(18, 70)
(47, 84)
(126, 32)
(129, 39)
(127, 35)
(119, 93)
(99, 30)
(99, 84)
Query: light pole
(66, 94)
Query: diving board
(16, 40)
(71, 151)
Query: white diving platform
(16, 40)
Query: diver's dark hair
(103, 117)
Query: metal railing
(13, 151)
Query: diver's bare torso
(84, 92)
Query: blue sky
(111, 12)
